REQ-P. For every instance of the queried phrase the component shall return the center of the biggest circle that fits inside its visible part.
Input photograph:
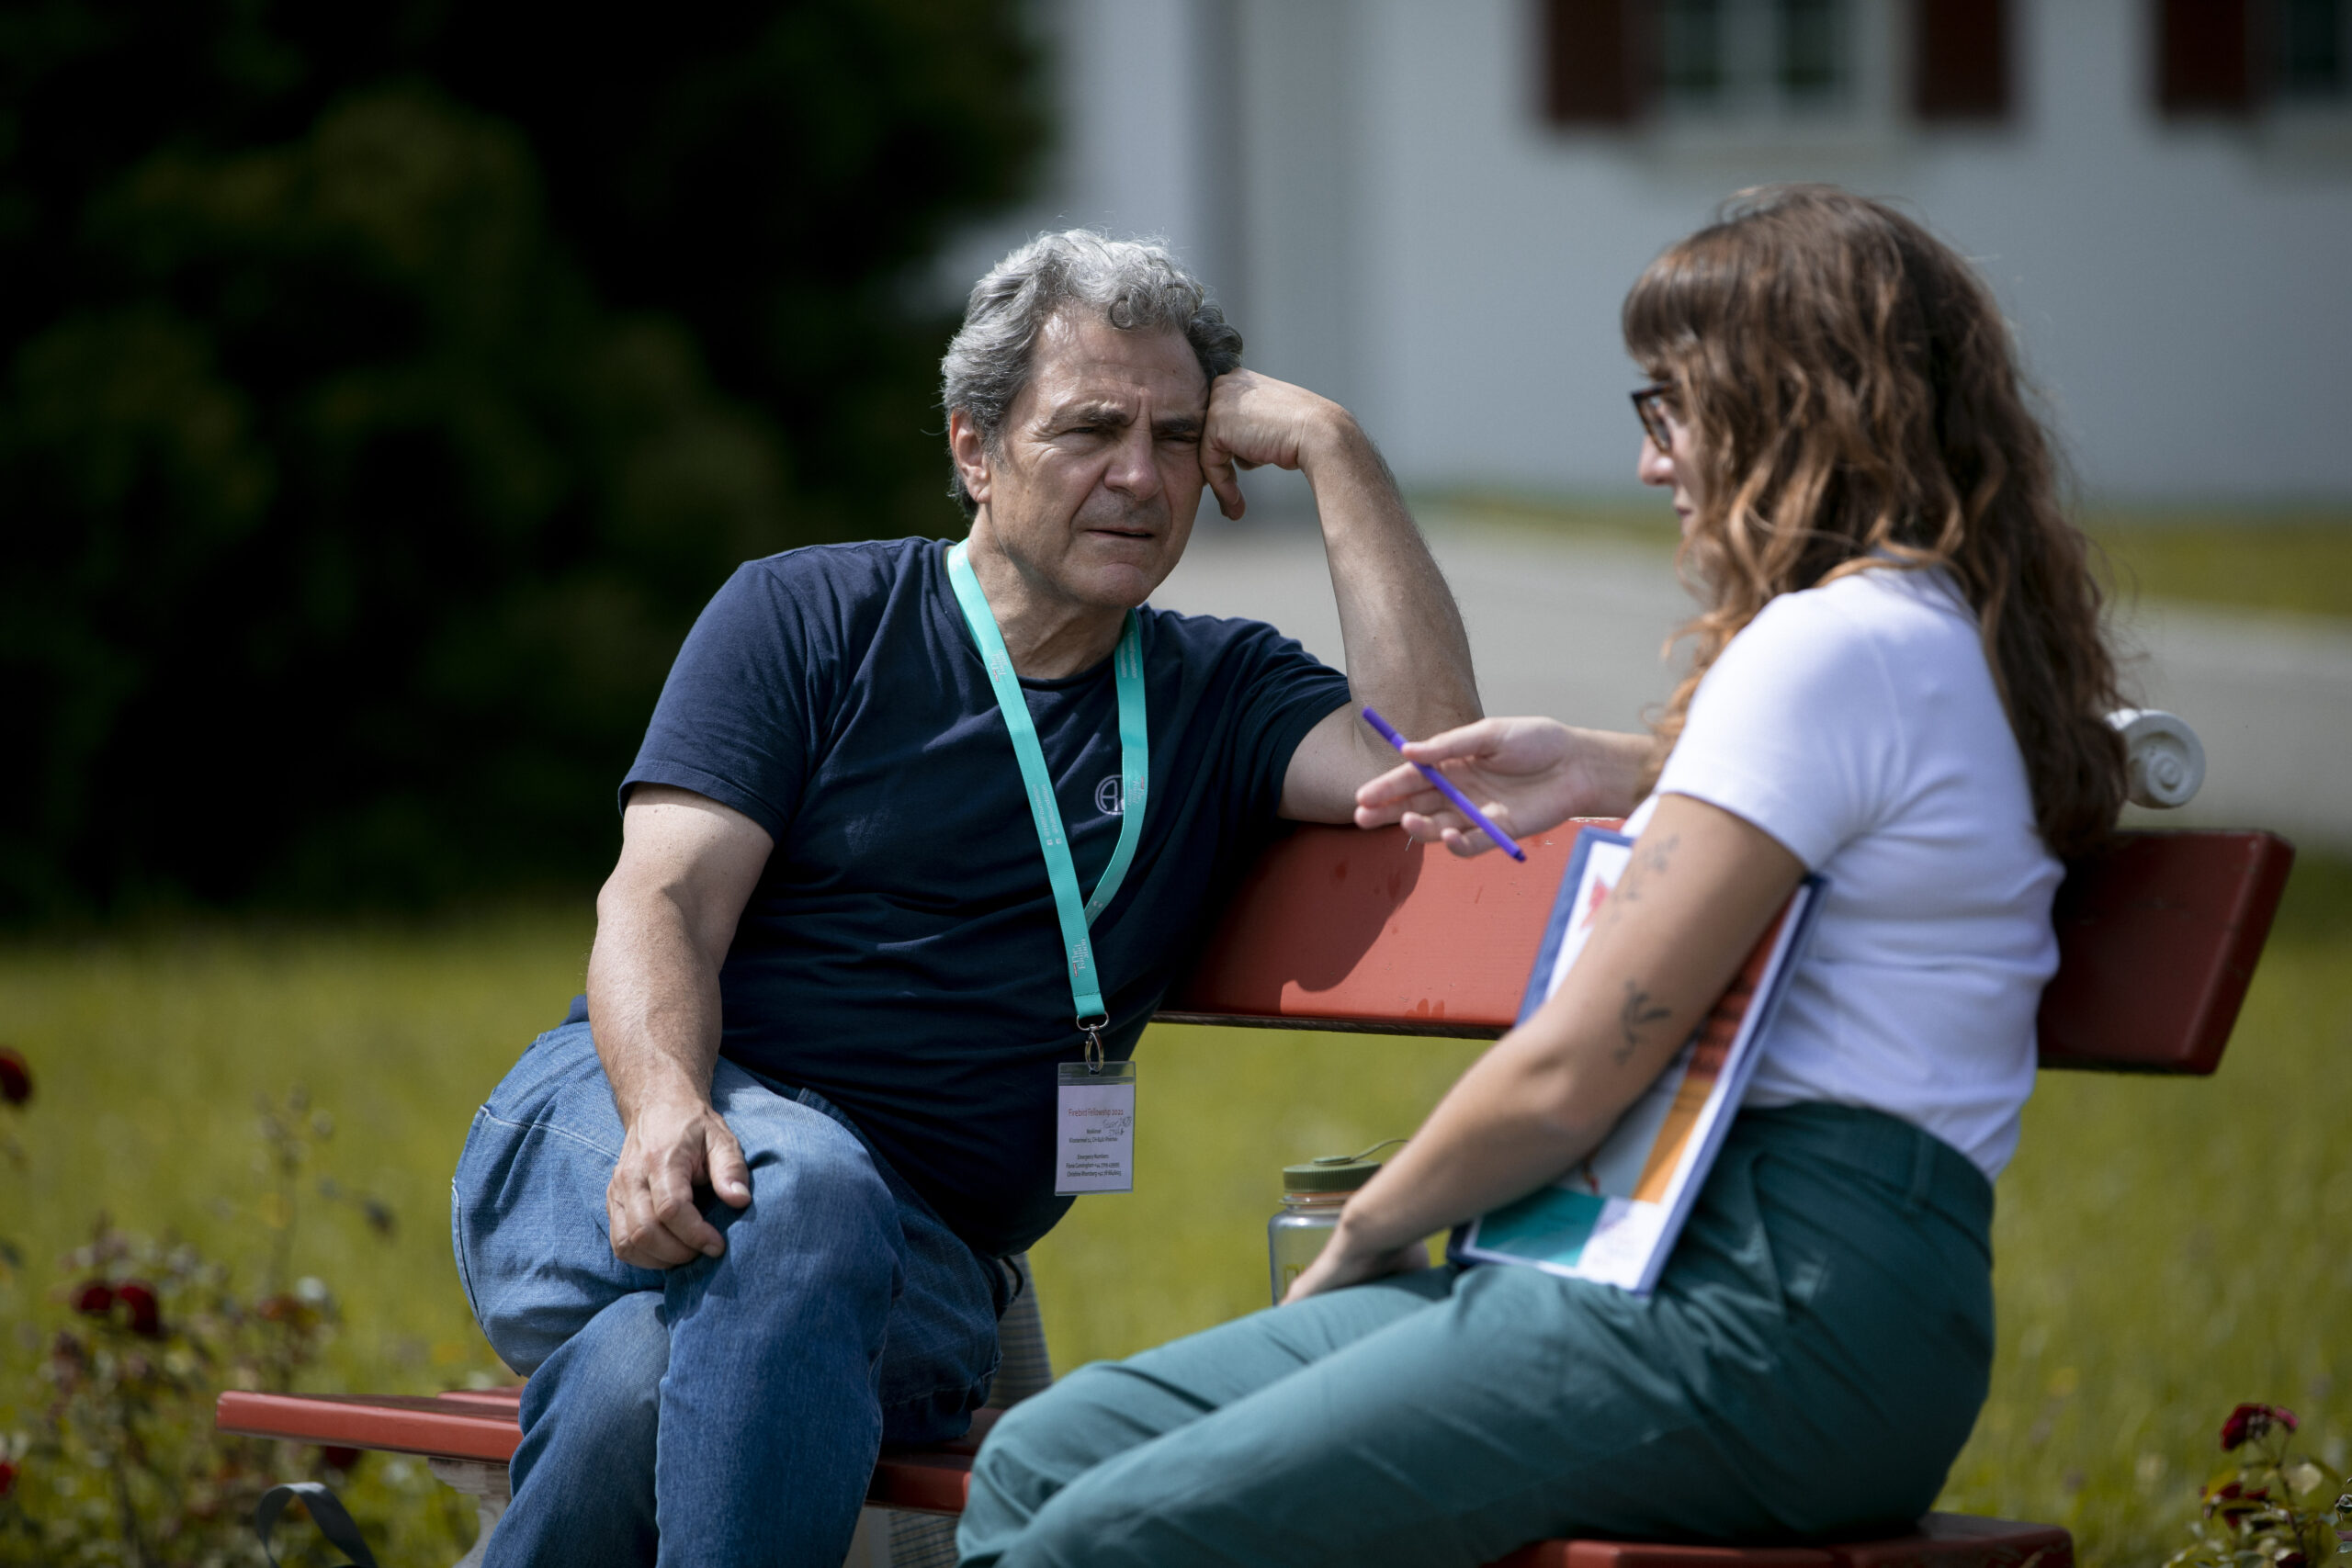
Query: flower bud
(15, 1078)
(146, 1313)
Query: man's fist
(1256, 420)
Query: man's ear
(971, 455)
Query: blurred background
(388, 387)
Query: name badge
(1095, 1128)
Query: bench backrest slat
(2157, 941)
(1336, 928)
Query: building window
(2314, 50)
(2238, 56)
(1812, 47)
(1744, 63)
(1691, 50)
(1754, 56)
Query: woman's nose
(1656, 467)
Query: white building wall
(1369, 186)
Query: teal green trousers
(1808, 1368)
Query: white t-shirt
(1858, 724)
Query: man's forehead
(1079, 357)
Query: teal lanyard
(1134, 776)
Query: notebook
(1614, 1217)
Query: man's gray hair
(1136, 285)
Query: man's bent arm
(665, 921)
(1406, 651)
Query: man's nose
(1132, 472)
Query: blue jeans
(729, 1409)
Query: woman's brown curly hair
(1855, 403)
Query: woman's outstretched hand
(1526, 774)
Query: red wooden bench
(1340, 929)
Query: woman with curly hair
(1900, 683)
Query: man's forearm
(1407, 652)
(654, 995)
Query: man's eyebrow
(1101, 413)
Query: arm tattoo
(1638, 1013)
(1651, 860)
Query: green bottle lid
(1331, 1173)
(1334, 1173)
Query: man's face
(1093, 494)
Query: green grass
(2166, 1248)
(2298, 561)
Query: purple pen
(1446, 787)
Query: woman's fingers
(1393, 791)
(1482, 738)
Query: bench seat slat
(436, 1426)
(485, 1425)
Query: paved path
(1573, 630)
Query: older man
(918, 833)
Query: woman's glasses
(1650, 406)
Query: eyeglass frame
(1648, 407)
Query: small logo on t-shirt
(1106, 797)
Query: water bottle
(1312, 1195)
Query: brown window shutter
(2205, 57)
(1592, 61)
(1961, 63)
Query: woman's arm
(1527, 773)
(1701, 888)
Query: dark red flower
(7, 1478)
(146, 1312)
(15, 1079)
(339, 1458)
(2294, 1560)
(2252, 1423)
(94, 1299)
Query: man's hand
(1526, 774)
(671, 1149)
(665, 921)
(1254, 421)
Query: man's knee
(821, 1222)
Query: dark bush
(388, 387)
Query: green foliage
(120, 1464)
(2267, 1508)
(388, 387)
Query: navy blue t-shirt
(900, 954)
